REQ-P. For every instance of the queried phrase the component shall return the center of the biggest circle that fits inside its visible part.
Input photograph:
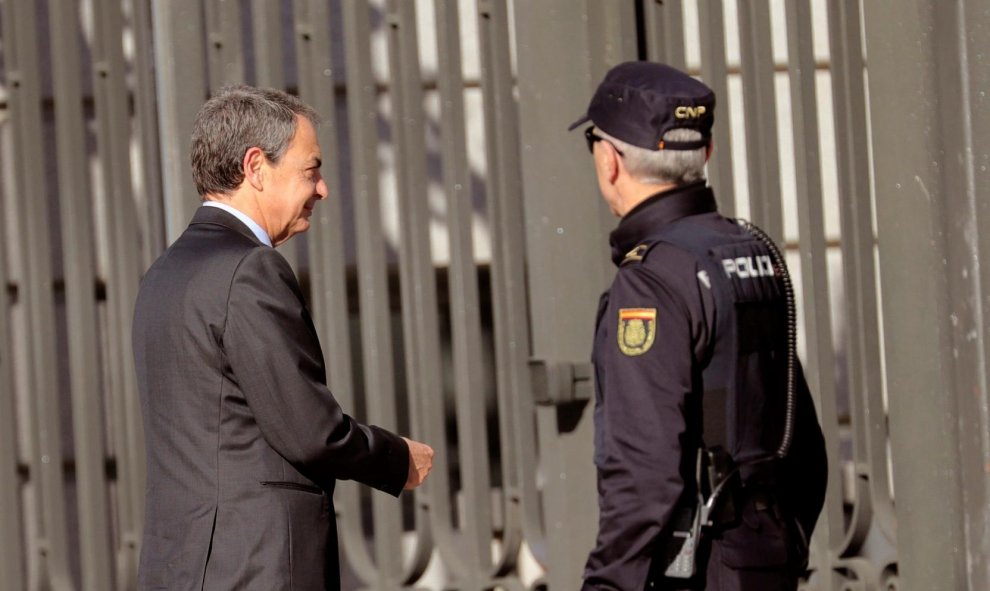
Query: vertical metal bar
(505, 189)
(421, 326)
(715, 73)
(665, 32)
(12, 541)
(225, 41)
(969, 172)
(181, 84)
(328, 265)
(858, 244)
(820, 359)
(266, 25)
(146, 111)
(79, 268)
(921, 211)
(612, 35)
(113, 140)
(23, 76)
(760, 108)
(376, 329)
(465, 309)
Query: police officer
(699, 397)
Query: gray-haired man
(245, 442)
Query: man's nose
(321, 189)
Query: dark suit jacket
(244, 440)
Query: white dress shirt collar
(251, 224)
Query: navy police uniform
(657, 330)
(693, 358)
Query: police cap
(638, 102)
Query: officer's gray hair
(236, 119)
(660, 167)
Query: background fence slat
(859, 269)
(819, 361)
(181, 85)
(417, 275)
(376, 311)
(664, 24)
(149, 193)
(715, 72)
(113, 131)
(760, 110)
(11, 546)
(465, 316)
(78, 250)
(51, 552)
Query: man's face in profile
(295, 184)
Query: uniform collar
(658, 210)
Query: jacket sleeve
(806, 464)
(274, 353)
(640, 426)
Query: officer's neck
(632, 192)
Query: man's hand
(420, 463)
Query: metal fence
(455, 269)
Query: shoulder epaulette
(636, 254)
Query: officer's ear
(607, 161)
(709, 149)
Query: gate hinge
(560, 382)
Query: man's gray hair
(661, 167)
(236, 119)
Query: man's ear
(252, 166)
(608, 162)
(709, 149)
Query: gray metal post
(858, 244)
(418, 288)
(819, 362)
(925, 82)
(181, 83)
(376, 328)
(78, 251)
(113, 139)
(567, 256)
(964, 83)
(665, 32)
(760, 107)
(226, 41)
(715, 73)
(152, 216)
(465, 309)
(11, 543)
(31, 207)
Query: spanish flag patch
(637, 330)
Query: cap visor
(584, 119)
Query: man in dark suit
(245, 441)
